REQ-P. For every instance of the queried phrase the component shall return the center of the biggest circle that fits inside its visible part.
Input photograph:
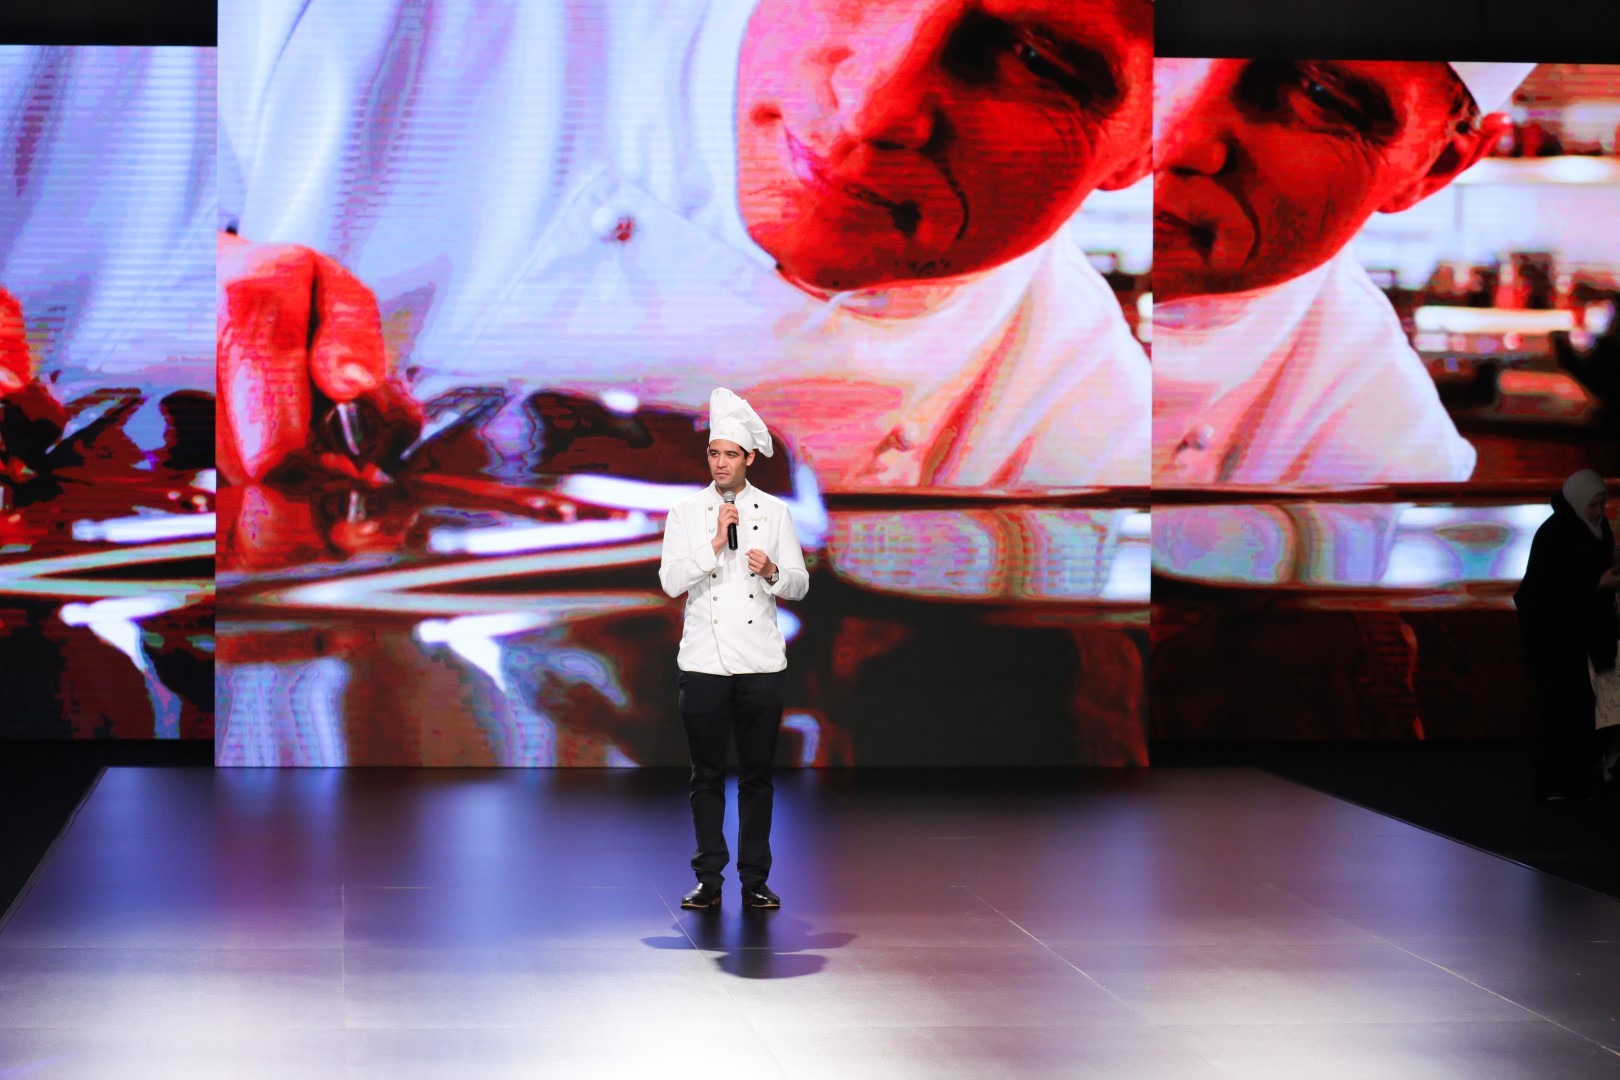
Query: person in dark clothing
(1566, 608)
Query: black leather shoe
(760, 896)
(704, 896)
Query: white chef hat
(731, 418)
(1490, 84)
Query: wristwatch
(773, 578)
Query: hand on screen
(15, 370)
(297, 335)
(263, 528)
(32, 419)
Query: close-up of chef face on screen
(1379, 272)
(884, 143)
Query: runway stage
(1177, 923)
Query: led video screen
(999, 282)
(1383, 337)
(107, 218)
(482, 266)
(1365, 276)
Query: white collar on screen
(713, 97)
(1203, 314)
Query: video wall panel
(1114, 397)
(107, 217)
(1383, 334)
(485, 267)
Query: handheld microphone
(730, 498)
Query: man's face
(882, 141)
(728, 464)
(1264, 170)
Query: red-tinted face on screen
(905, 140)
(1264, 169)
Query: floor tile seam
(1535, 1021)
(1382, 939)
(1529, 1021)
(1317, 909)
(1370, 943)
(1531, 1016)
(1501, 856)
(1354, 923)
(675, 918)
(758, 1034)
(1061, 958)
(1518, 1005)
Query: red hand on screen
(38, 418)
(15, 370)
(292, 325)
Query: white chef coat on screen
(107, 212)
(1308, 382)
(730, 626)
(544, 194)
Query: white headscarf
(1581, 489)
(732, 418)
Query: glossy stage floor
(1178, 923)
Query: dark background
(108, 22)
(1542, 31)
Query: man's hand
(15, 370)
(728, 516)
(1610, 578)
(760, 563)
(33, 419)
(294, 328)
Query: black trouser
(716, 709)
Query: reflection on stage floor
(1184, 924)
(479, 612)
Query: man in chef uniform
(1277, 361)
(731, 549)
(853, 213)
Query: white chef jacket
(545, 194)
(730, 626)
(1308, 382)
(107, 212)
